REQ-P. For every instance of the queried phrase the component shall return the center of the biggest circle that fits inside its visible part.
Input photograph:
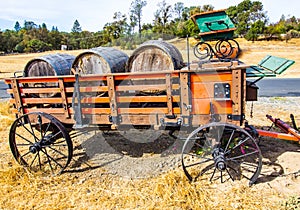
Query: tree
(17, 26)
(76, 27)
(162, 17)
(136, 13)
(256, 28)
(44, 26)
(29, 25)
(246, 14)
(207, 7)
(178, 10)
(115, 29)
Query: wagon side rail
(104, 99)
(160, 99)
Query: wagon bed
(191, 97)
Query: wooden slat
(120, 99)
(169, 94)
(112, 96)
(213, 77)
(18, 98)
(40, 90)
(202, 106)
(160, 110)
(64, 97)
(144, 99)
(42, 100)
(89, 89)
(238, 92)
(141, 87)
(59, 100)
(185, 97)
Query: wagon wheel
(203, 50)
(220, 151)
(227, 49)
(40, 142)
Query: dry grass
(22, 190)
(97, 189)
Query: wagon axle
(219, 159)
(45, 141)
(36, 147)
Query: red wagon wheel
(221, 151)
(40, 142)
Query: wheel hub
(36, 147)
(219, 159)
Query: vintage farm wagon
(206, 100)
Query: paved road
(3, 93)
(275, 87)
(268, 87)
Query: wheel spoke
(57, 151)
(24, 138)
(24, 145)
(24, 155)
(198, 163)
(33, 160)
(228, 142)
(213, 174)
(31, 132)
(49, 161)
(40, 163)
(48, 156)
(229, 174)
(242, 156)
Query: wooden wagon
(207, 102)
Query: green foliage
(169, 21)
(257, 28)
(245, 14)
(136, 8)
(36, 45)
(76, 27)
(17, 26)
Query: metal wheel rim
(238, 158)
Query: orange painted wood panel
(202, 106)
(212, 77)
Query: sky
(93, 14)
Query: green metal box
(214, 25)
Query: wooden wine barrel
(100, 60)
(155, 55)
(48, 65)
